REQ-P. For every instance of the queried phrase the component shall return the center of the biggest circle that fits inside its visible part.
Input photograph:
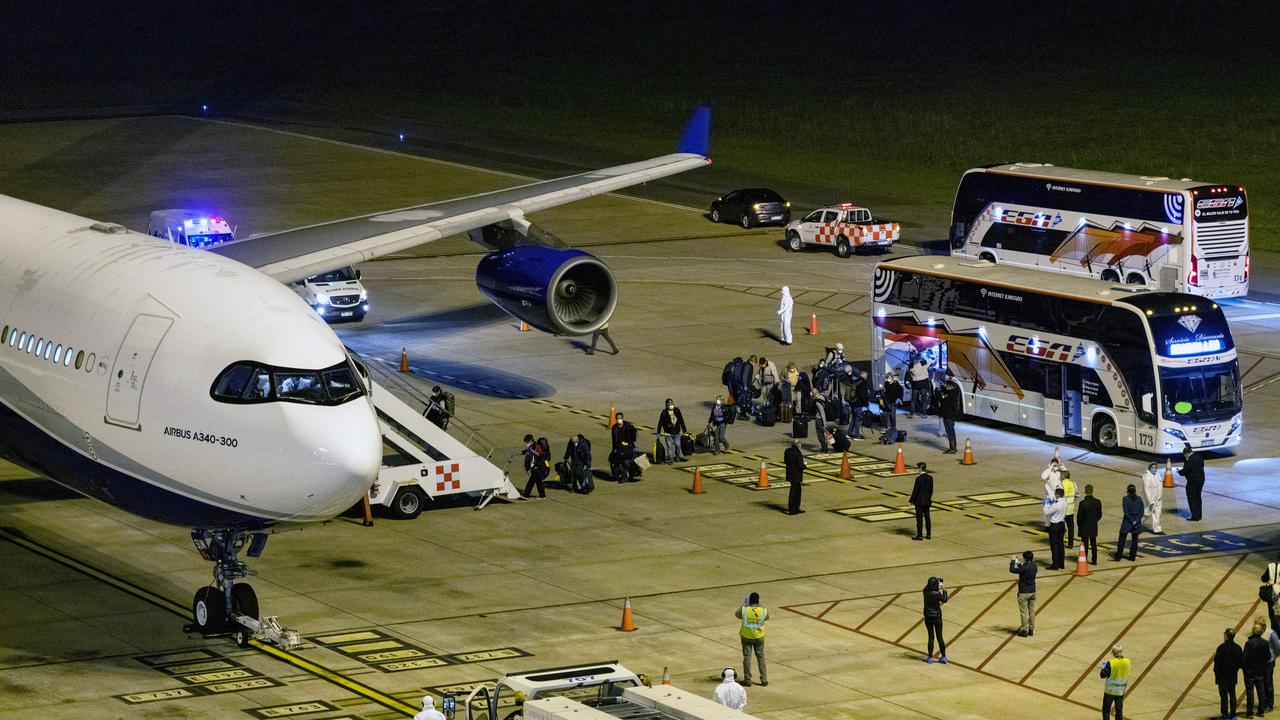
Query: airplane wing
(298, 253)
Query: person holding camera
(752, 635)
(1025, 569)
(935, 594)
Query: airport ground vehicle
(751, 207)
(1176, 235)
(190, 227)
(1120, 365)
(336, 295)
(844, 228)
(594, 690)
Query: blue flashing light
(401, 137)
(1195, 347)
(204, 108)
(320, 309)
(366, 307)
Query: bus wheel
(1110, 276)
(793, 241)
(988, 257)
(407, 503)
(842, 246)
(1105, 436)
(1135, 279)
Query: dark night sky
(58, 52)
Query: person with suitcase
(793, 458)
(577, 464)
(716, 424)
(767, 379)
(819, 405)
(622, 456)
(671, 431)
(859, 398)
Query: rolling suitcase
(768, 416)
(784, 413)
(840, 442)
(686, 444)
(800, 427)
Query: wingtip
(697, 133)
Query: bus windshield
(1201, 394)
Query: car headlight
(756, 207)
(322, 299)
(1176, 433)
(786, 204)
(364, 295)
(1235, 426)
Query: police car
(843, 228)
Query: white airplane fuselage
(112, 343)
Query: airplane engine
(557, 290)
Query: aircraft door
(124, 393)
(1071, 412)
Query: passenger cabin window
(815, 216)
(250, 382)
(829, 216)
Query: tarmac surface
(91, 618)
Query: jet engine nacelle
(557, 290)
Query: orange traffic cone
(1082, 563)
(845, 473)
(628, 625)
(524, 326)
(613, 416)
(813, 324)
(666, 676)
(967, 459)
(1168, 473)
(697, 482)
(404, 360)
(899, 465)
(764, 476)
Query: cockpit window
(250, 382)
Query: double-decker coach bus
(1072, 357)
(1176, 235)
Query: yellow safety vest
(1118, 680)
(753, 617)
(1069, 494)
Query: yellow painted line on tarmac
(181, 610)
(101, 575)
(336, 678)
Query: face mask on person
(671, 406)
(717, 403)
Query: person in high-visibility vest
(1069, 493)
(751, 633)
(1115, 674)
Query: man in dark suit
(922, 499)
(795, 463)
(1087, 517)
(1193, 470)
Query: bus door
(1055, 410)
(1072, 416)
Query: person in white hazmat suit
(429, 711)
(784, 316)
(1153, 489)
(729, 693)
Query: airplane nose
(343, 446)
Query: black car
(751, 207)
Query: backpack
(544, 449)
(448, 403)
(727, 375)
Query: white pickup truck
(844, 228)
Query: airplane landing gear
(229, 607)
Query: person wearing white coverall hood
(729, 693)
(429, 711)
(1153, 489)
(784, 316)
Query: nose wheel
(230, 608)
